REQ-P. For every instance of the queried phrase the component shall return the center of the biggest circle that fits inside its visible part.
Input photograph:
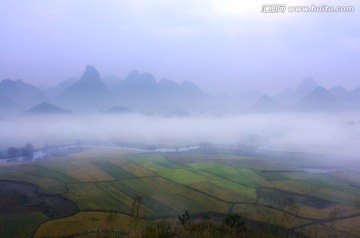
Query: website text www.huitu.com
(282, 8)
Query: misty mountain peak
(137, 79)
(90, 74)
(306, 86)
(88, 90)
(319, 99)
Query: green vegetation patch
(226, 190)
(321, 180)
(88, 196)
(352, 198)
(46, 185)
(272, 176)
(281, 199)
(175, 196)
(242, 176)
(36, 170)
(23, 225)
(153, 161)
(113, 170)
(129, 189)
(186, 175)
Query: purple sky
(222, 45)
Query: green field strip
(153, 207)
(39, 171)
(271, 215)
(111, 189)
(135, 169)
(272, 176)
(320, 180)
(188, 195)
(226, 190)
(89, 196)
(243, 176)
(46, 185)
(113, 170)
(338, 196)
(186, 175)
(60, 164)
(245, 192)
(255, 164)
(29, 222)
(154, 162)
(280, 199)
(293, 186)
(221, 208)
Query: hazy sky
(222, 45)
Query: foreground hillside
(112, 189)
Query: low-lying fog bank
(331, 134)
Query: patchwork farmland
(97, 182)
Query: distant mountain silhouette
(61, 87)
(189, 88)
(176, 112)
(306, 86)
(352, 99)
(142, 91)
(18, 91)
(137, 83)
(111, 81)
(319, 99)
(118, 109)
(6, 104)
(339, 92)
(39, 98)
(88, 92)
(266, 104)
(168, 87)
(47, 108)
(290, 97)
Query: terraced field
(100, 182)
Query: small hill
(47, 108)
(318, 100)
